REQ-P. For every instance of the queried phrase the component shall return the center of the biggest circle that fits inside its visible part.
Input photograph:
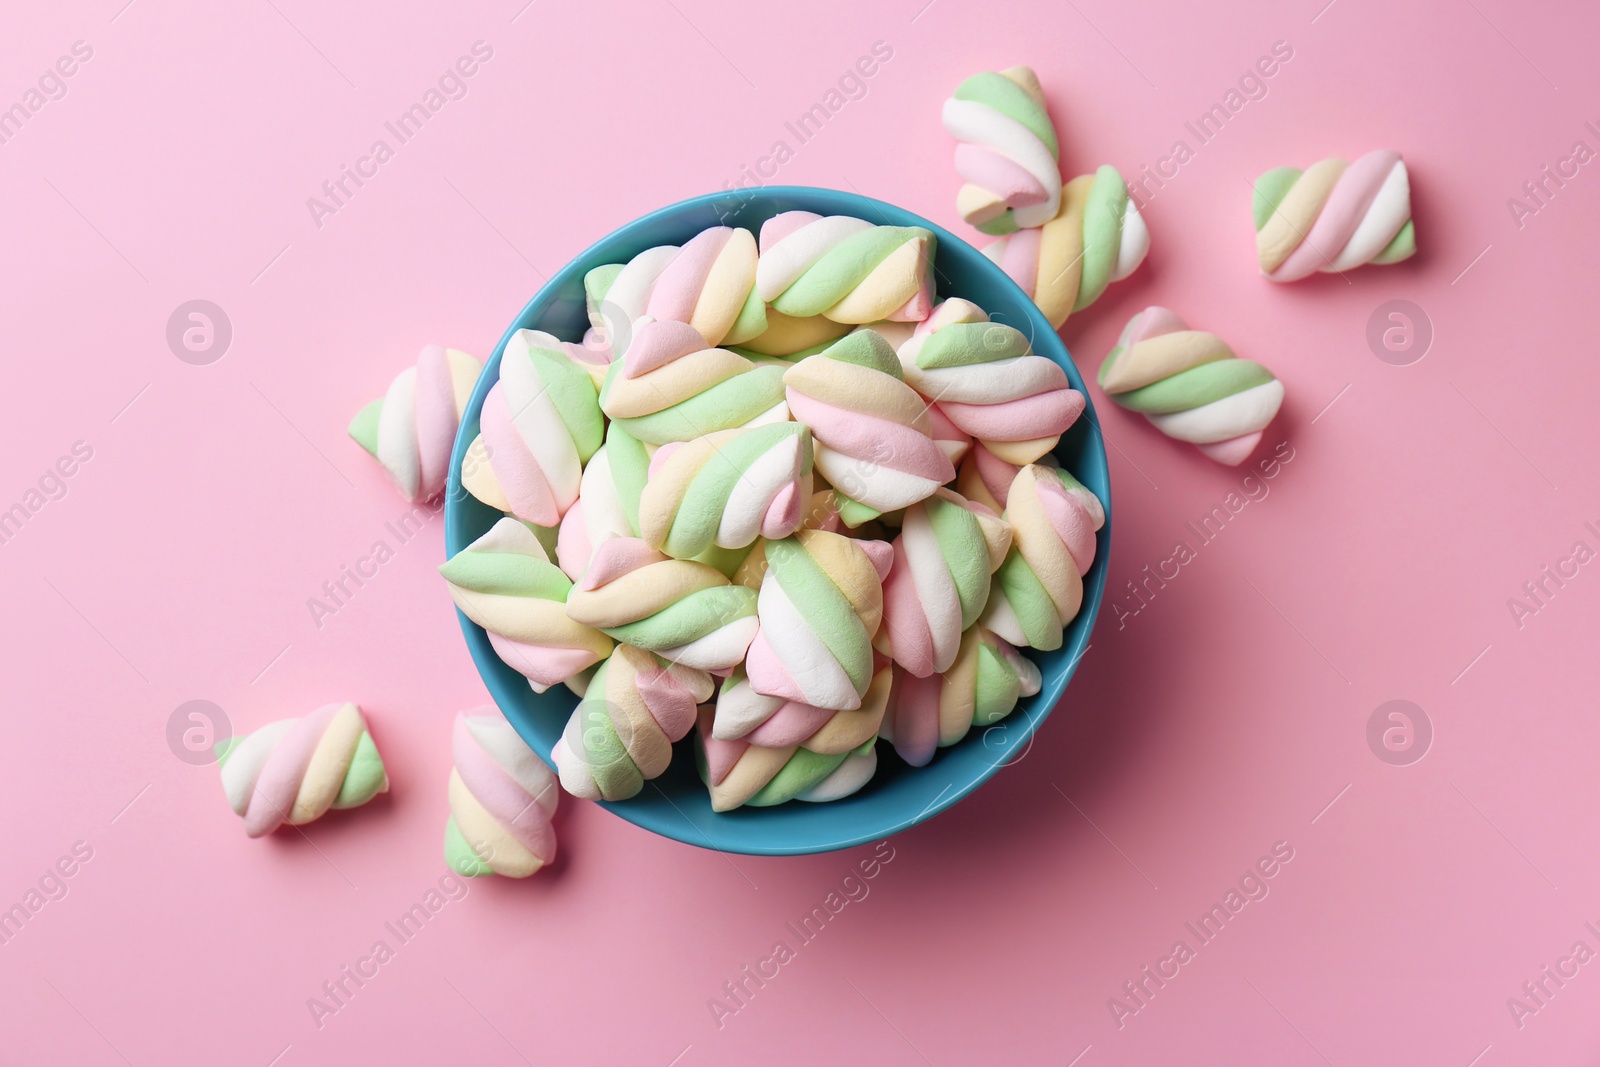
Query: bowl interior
(676, 805)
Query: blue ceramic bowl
(676, 805)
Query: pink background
(1222, 719)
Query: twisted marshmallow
(711, 285)
(293, 771)
(1191, 386)
(621, 733)
(727, 489)
(1097, 238)
(947, 549)
(738, 773)
(412, 429)
(504, 581)
(684, 611)
(1333, 216)
(984, 377)
(872, 432)
(982, 686)
(540, 424)
(820, 606)
(670, 386)
(845, 268)
(1039, 587)
(708, 283)
(1007, 152)
(502, 797)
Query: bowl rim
(456, 538)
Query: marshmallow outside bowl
(676, 805)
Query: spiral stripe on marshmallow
(984, 377)
(502, 798)
(981, 687)
(1097, 238)
(608, 500)
(1007, 152)
(504, 581)
(621, 733)
(684, 611)
(670, 386)
(727, 489)
(947, 549)
(412, 429)
(711, 285)
(1333, 216)
(296, 770)
(742, 714)
(845, 268)
(872, 432)
(540, 424)
(1191, 386)
(738, 773)
(1039, 587)
(820, 606)
(952, 440)
(791, 339)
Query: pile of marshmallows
(749, 474)
(783, 496)
(1063, 243)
